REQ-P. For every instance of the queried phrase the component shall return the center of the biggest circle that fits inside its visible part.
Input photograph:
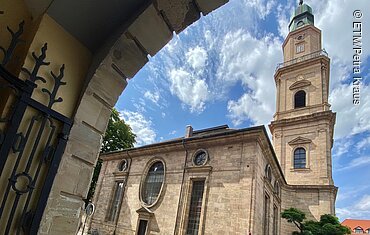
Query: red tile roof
(354, 223)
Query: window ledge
(120, 173)
(300, 169)
(199, 169)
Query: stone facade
(234, 182)
(247, 182)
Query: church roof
(354, 223)
(203, 134)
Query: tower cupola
(302, 16)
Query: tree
(328, 224)
(295, 216)
(118, 136)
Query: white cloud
(190, 89)
(245, 108)
(364, 143)
(357, 162)
(141, 126)
(152, 96)
(252, 61)
(197, 58)
(335, 18)
(351, 119)
(360, 209)
(341, 147)
(172, 132)
(263, 7)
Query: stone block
(151, 30)
(107, 84)
(93, 112)
(64, 225)
(84, 143)
(74, 177)
(206, 6)
(127, 56)
(178, 13)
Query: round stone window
(200, 157)
(122, 166)
(152, 184)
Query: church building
(233, 181)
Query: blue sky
(220, 71)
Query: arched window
(277, 188)
(122, 166)
(300, 158)
(153, 183)
(268, 173)
(300, 99)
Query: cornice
(320, 60)
(299, 84)
(329, 115)
(298, 31)
(331, 188)
(299, 140)
(191, 142)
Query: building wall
(231, 175)
(318, 151)
(311, 40)
(314, 201)
(316, 98)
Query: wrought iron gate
(33, 137)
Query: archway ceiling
(92, 21)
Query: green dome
(302, 16)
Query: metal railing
(302, 58)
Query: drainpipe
(124, 191)
(252, 205)
(189, 133)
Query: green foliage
(295, 216)
(118, 136)
(328, 224)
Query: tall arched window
(153, 183)
(300, 99)
(268, 173)
(277, 188)
(300, 158)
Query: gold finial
(300, 2)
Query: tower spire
(302, 16)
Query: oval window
(152, 184)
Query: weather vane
(300, 2)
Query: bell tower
(303, 125)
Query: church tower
(303, 124)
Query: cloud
(338, 13)
(364, 143)
(152, 96)
(251, 61)
(341, 147)
(142, 127)
(245, 108)
(359, 209)
(262, 7)
(190, 89)
(357, 162)
(351, 119)
(197, 58)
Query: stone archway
(119, 58)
